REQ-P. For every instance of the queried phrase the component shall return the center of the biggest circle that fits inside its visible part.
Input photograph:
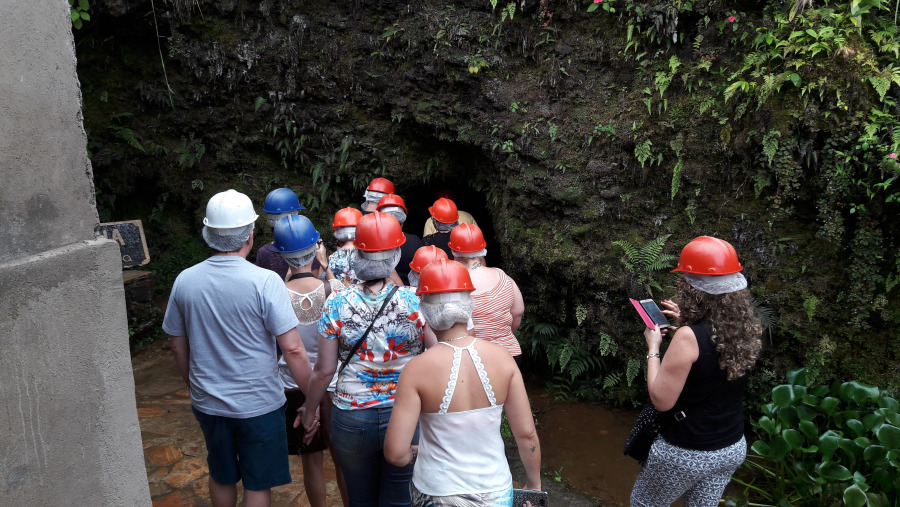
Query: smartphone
(650, 313)
(537, 498)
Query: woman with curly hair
(700, 382)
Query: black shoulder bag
(649, 424)
(363, 337)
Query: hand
(321, 253)
(653, 337)
(310, 422)
(671, 309)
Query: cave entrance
(461, 165)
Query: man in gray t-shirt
(224, 317)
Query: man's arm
(181, 349)
(294, 354)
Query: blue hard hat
(294, 233)
(282, 200)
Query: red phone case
(640, 309)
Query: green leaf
(593, 7)
(887, 401)
(854, 497)
(788, 417)
(799, 391)
(806, 413)
(797, 376)
(779, 448)
(849, 447)
(874, 454)
(783, 395)
(83, 5)
(863, 393)
(809, 429)
(872, 421)
(819, 390)
(793, 437)
(828, 444)
(893, 457)
(889, 436)
(863, 443)
(85, 16)
(857, 427)
(762, 448)
(877, 500)
(889, 415)
(795, 78)
(810, 400)
(829, 405)
(835, 471)
(75, 16)
(767, 425)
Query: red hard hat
(444, 276)
(467, 238)
(707, 255)
(444, 211)
(347, 217)
(377, 232)
(392, 200)
(425, 256)
(383, 185)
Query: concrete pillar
(69, 432)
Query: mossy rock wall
(540, 123)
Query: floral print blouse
(370, 378)
(339, 262)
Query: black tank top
(714, 405)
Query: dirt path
(175, 454)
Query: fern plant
(642, 262)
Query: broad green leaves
(817, 442)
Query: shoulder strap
(364, 335)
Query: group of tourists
(398, 361)
(396, 354)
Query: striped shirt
(493, 315)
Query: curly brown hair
(735, 328)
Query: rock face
(565, 140)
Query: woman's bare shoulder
(498, 354)
(686, 341)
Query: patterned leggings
(501, 498)
(701, 476)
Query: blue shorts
(252, 450)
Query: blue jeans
(358, 438)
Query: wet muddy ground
(581, 444)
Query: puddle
(583, 443)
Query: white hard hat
(229, 212)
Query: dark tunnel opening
(463, 164)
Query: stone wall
(70, 429)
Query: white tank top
(462, 452)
